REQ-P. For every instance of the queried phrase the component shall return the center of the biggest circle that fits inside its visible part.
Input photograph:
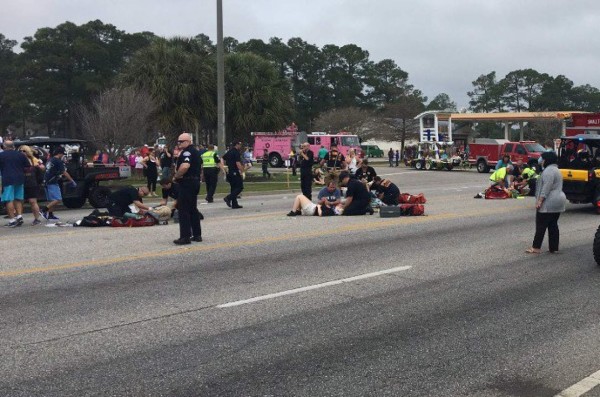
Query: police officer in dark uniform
(307, 159)
(188, 178)
(233, 159)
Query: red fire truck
(485, 153)
(583, 123)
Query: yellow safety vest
(531, 174)
(208, 159)
(498, 175)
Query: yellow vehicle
(579, 163)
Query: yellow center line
(359, 226)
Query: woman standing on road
(550, 202)
(34, 175)
(152, 164)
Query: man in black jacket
(306, 157)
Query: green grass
(254, 182)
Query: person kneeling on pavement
(386, 191)
(498, 181)
(121, 199)
(358, 198)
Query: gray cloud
(443, 45)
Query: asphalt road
(447, 304)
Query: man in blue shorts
(12, 167)
(55, 169)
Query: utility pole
(221, 138)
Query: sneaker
(292, 213)
(52, 217)
(36, 222)
(20, 221)
(44, 215)
(11, 224)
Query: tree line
(83, 81)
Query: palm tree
(180, 79)
(257, 98)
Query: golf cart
(87, 176)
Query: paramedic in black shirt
(365, 173)
(358, 199)
(120, 200)
(187, 175)
(306, 158)
(233, 159)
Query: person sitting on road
(365, 173)
(120, 200)
(303, 206)
(386, 191)
(330, 195)
(358, 199)
(503, 162)
(318, 178)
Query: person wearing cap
(233, 159)
(358, 199)
(211, 164)
(187, 176)
(55, 169)
(365, 172)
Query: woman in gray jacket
(550, 202)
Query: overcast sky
(443, 44)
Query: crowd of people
(514, 179)
(348, 184)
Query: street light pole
(220, 81)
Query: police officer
(210, 170)
(188, 178)
(307, 159)
(233, 159)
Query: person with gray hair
(550, 202)
(12, 167)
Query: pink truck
(279, 144)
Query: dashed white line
(581, 387)
(315, 286)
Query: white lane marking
(581, 387)
(399, 173)
(315, 286)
